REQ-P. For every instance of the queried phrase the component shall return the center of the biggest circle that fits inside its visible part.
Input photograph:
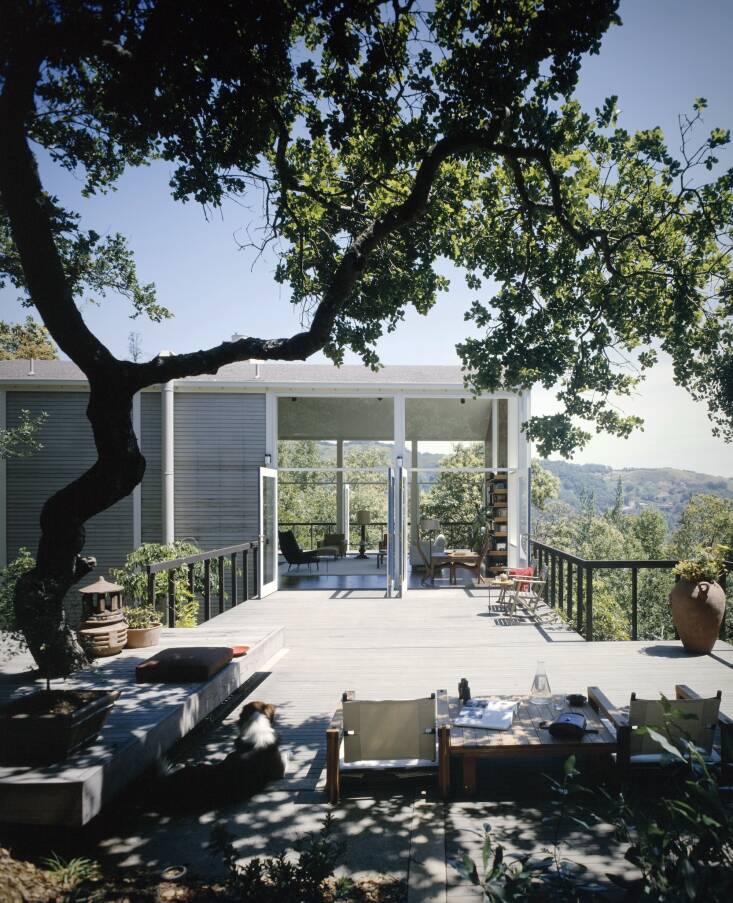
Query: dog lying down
(255, 761)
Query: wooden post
(570, 590)
(444, 761)
(634, 603)
(560, 586)
(333, 772)
(151, 588)
(245, 575)
(589, 605)
(221, 584)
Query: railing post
(171, 598)
(589, 605)
(245, 575)
(207, 589)
(256, 569)
(151, 588)
(580, 605)
(570, 590)
(233, 559)
(634, 603)
(553, 558)
(221, 583)
(560, 585)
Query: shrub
(283, 878)
(140, 617)
(133, 578)
(11, 639)
(706, 564)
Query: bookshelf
(498, 503)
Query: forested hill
(664, 487)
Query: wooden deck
(382, 648)
(145, 722)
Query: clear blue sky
(667, 53)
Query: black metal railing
(569, 584)
(199, 580)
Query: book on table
(489, 714)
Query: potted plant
(143, 626)
(698, 600)
(49, 725)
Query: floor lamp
(363, 518)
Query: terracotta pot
(142, 637)
(697, 612)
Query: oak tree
(379, 137)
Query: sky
(667, 53)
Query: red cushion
(239, 651)
(521, 572)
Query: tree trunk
(119, 468)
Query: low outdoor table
(525, 739)
(502, 584)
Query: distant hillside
(663, 487)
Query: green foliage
(22, 440)
(383, 139)
(25, 340)
(70, 872)
(706, 521)
(134, 580)
(11, 639)
(708, 564)
(545, 485)
(458, 498)
(546, 874)
(283, 878)
(139, 617)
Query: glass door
(268, 561)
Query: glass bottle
(540, 693)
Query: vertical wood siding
(68, 450)
(151, 490)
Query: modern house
(211, 445)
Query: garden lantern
(104, 629)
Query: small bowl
(173, 873)
(576, 699)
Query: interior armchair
(334, 541)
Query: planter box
(142, 637)
(49, 725)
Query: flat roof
(252, 373)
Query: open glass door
(402, 530)
(268, 562)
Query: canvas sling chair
(393, 735)
(691, 717)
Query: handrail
(190, 561)
(559, 587)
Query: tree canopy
(25, 340)
(377, 138)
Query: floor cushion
(185, 664)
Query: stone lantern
(104, 629)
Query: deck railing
(220, 558)
(570, 582)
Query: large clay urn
(697, 612)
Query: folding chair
(395, 735)
(527, 592)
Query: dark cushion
(186, 664)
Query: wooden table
(525, 739)
(453, 559)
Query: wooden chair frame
(335, 731)
(619, 718)
(529, 598)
